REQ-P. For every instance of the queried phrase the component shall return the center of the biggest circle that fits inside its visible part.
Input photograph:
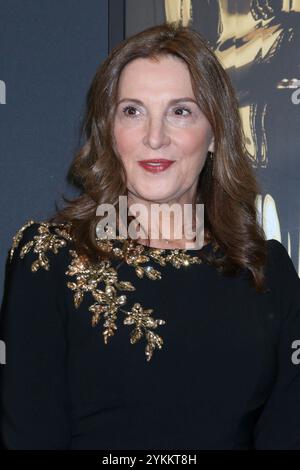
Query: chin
(155, 197)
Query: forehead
(145, 76)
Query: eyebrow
(173, 101)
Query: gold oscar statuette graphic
(178, 10)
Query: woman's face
(150, 124)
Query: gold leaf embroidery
(142, 320)
(18, 237)
(41, 243)
(101, 279)
(89, 276)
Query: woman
(192, 348)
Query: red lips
(158, 164)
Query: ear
(211, 147)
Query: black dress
(146, 351)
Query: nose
(156, 134)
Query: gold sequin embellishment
(101, 278)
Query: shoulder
(278, 258)
(34, 280)
(276, 246)
(37, 242)
(282, 276)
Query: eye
(130, 111)
(184, 109)
(127, 108)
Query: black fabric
(224, 378)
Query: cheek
(125, 140)
(194, 142)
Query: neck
(160, 228)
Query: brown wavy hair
(227, 185)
